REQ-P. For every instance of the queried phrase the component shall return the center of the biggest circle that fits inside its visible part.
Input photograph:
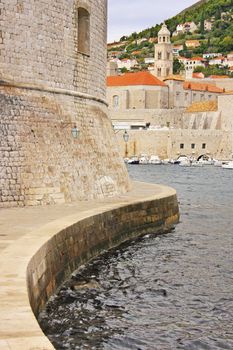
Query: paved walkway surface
(22, 233)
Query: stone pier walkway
(22, 232)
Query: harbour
(172, 291)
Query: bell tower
(163, 54)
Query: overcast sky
(128, 16)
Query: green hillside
(219, 39)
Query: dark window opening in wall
(181, 146)
(168, 55)
(168, 71)
(159, 72)
(83, 31)
(204, 146)
(164, 39)
(193, 145)
(159, 55)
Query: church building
(163, 54)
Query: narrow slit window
(115, 101)
(83, 31)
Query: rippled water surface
(173, 291)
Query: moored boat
(228, 165)
(143, 159)
(133, 160)
(155, 160)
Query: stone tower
(52, 82)
(163, 54)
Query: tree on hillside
(178, 67)
(123, 38)
(212, 70)
(218, 13)
(227, 44)
(202, 23)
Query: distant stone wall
(225, 105)
(226, 83)
(183, 98)
(167, 143)
(210, 132)
(46, 87)
(138, 97)
(77, 244)
(159, 117)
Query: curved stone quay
(40, 247)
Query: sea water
(173, 291)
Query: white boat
(218, 163)
(228, 165)
(206, 160)
(133, 160)
(185, 163)
(143, 159)
(155, 160)
(196, 163)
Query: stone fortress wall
(184, 117)
(75, 245)
(210, 132)
(52, 78)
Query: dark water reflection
(173, 291)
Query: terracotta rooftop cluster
(139, 78)
(202, 87)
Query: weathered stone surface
(46, 87)
(51, 242)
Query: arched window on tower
(159, 72)
(83, 31)
(164, 39)
(167, 71)
(159, 55)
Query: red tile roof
(198, 75)
(138, 78)
(218, 76)
(192, 41)
(197, 59)
(202, 87)
(137, 52)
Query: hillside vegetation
(220, 12)
(219, 39)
